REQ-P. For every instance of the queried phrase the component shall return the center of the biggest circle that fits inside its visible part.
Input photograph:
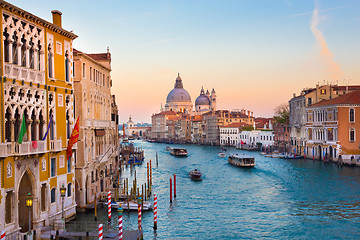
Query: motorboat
(241, 160)
(180, 152)
(125, 140)
(221, 154)
(195, 174)
(132, 205)
(278, 155)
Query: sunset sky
(255, 54)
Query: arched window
(50, 62)
(14, 50)
(352, 135)
(352, 115)
(53, 195)
(8, 125)
(33, 127)
(6, 46)
(69, 190)
(67, 67)
(52, 125)
(23, 51)
(32, 55)
(39, 57)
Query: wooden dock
(127, 235)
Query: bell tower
(213, 100)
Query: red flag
(73, 139)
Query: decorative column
(10, 50)
(36, 132)
(12, 129)
(18, 49)
(35, 58)
(28, 129)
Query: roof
(351, 88)
(95, 57)
(236, 125)
(165, 113)
(350, 98)
(100, 56)
(33, 18)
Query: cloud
(319, 11)
(331, 65)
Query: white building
(229, 134)
(265, 137)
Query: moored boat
(195, 174)
(221, 154)
(132, 205)
(241, 160)
(180, 152)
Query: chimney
(56, 17)
(248, 114)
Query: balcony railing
(23, 73)
(55, 145)
(26, 148)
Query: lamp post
(62, 194)
(29, 203)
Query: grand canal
(278, 199)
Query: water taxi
(195, 174)
(221, 154)
(241, 160)
(180, 152)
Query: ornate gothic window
(23, 51)
(14, 49)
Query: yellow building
(36, 84)
(98, 139)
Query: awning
(99, 132)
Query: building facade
(98, 136)
(332, 129)
(37, 91)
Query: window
(6, 48)
(53, 196)
(53, 167)
(9, 206)
(43, 197)
(90, 72)
(352, 115)
(84, 71)
(309, 101)
(69, 164)
(67, 67)
(50, 62)
(323, 91)
(352, 135)
(69, 190)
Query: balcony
(26, 148)
(23, 73)
(55, 145)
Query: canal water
(278, 199)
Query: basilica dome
(202, 100)
(178, 94)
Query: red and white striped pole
(100, 232)
(120, 223)
(174, 185)
(139, 213)
(170, 190)
(109, 205)
(3, 235)
(155, 212)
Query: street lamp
(62, 194)
(29, 203)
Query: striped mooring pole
(100, 232)
(139, 213)
(170, 190)
(120, 223)
(109, 205)
(155, 212)
(3, 235)
(174, 185)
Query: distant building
(230, 134)
(163, 126)
(332, 128)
